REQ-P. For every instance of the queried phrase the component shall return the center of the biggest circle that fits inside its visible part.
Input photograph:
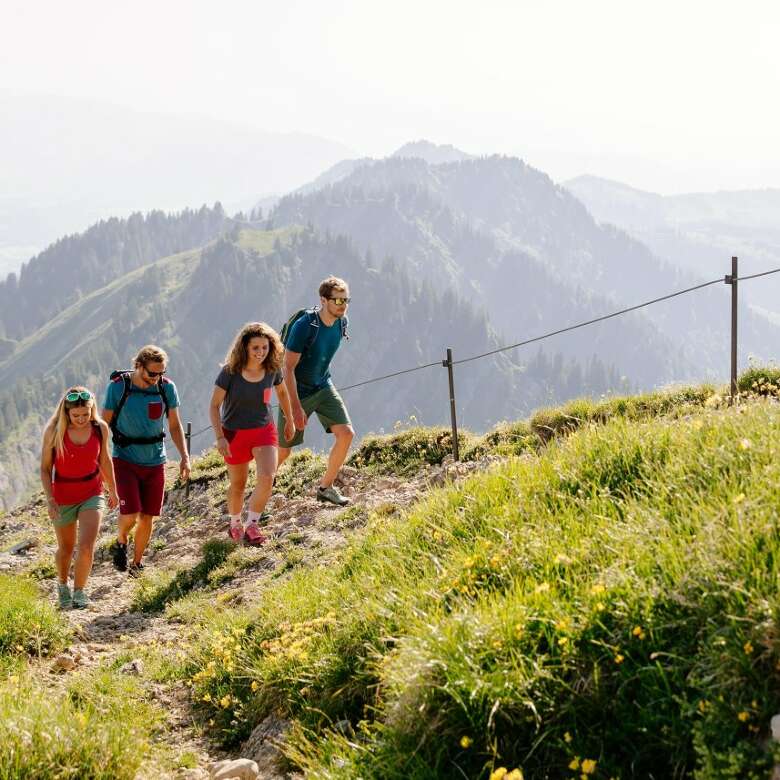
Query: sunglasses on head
(79, 395)
(154, 373)
(340, 301)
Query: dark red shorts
(140, 488)
(242, 442)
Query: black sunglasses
(154, 373)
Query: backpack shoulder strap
(124, 377)
(344, 326)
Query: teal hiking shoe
(80, 599)
(64, 599)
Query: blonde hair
(58, 423)
(150, 354)
(238, 354)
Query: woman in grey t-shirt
(244, 429)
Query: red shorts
(140, 488)
(242, 442)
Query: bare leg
(338, 453)
(235, 495)
(66, 542)
(265, 458)
(142, 534)
(89, 525)
(125, 525)
(282, 453)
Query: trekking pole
(188, 439)
(453, 416)
(732, 280)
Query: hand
(54, 510)
(223, 447)
(113, 499)
(299, 417)
(184, 469)
(289, 429)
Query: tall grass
(609, 607)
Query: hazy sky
(666, 96)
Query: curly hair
(238, 354)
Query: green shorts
(329, 407)
(69, 512)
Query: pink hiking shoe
(253, 536)
(236, 532)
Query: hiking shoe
(64, 599)
(253, 536)
(331, 495)
(236, 532)
(80, 599)
(119, 556)
(136, 569)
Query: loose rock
(236, 769)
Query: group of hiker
(77, 471)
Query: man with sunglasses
(135, 407)
(307, 376)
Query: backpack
(314, 323)
(119, 438)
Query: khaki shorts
(69, 513)
(329, 407)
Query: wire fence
(730, 279)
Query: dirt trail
(109, 626)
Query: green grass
(760, 380)
(155, 590)
(100, 728)
(613, 599)
(299, 474)
(29, 624)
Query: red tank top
(77, 460)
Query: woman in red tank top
(75, 462)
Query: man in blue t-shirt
(139, 450)
(307, 377)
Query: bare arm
(107, 466)
(291, 360)
(284, 401)
(47, 465)
(217, 397)
(177, 434)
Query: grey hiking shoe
(64, 599)
(331, 495)
(80, 599)
(136, 569)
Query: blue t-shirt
(143, 415)
(313, 370)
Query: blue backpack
(314, 326)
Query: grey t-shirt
(246, 404)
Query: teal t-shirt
(142, 415)
(313, 370)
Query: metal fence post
(188, 439)
(453, 416)
(732, 280)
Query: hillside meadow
(598, 599)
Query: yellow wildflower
(574, 764)
(743, 716)
(638, 632)
(745, 444)
(567, 737)
(748, 647)
(739, 499)
(515, 774)
(588, 766)
(207, 697)
(466, 742)
(498, 774)
(563, 640)
(519, 631)
(597, 588)
(255, 685)
(224, 702)
(619, 658)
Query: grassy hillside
(598, 598)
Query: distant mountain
(505, 235)
(434, 154)
(68, 162)
(698, 232)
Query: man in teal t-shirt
(307, 376)
(139, 450)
